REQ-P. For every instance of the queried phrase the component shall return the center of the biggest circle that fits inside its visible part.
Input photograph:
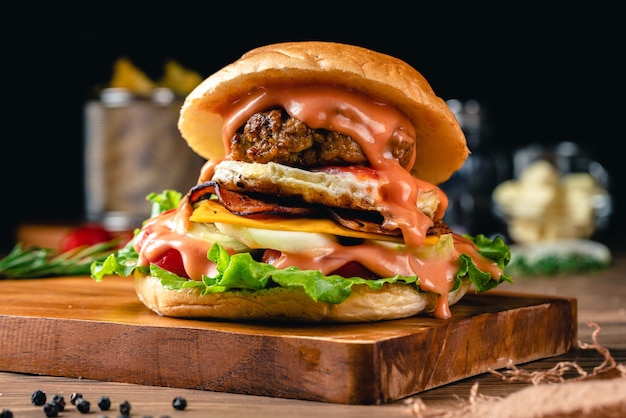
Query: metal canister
(133, 148)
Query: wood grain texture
(76, 327)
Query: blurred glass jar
(558, 192)
(469, 189)
(133, 148)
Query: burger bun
(441, 147)
(392, 301)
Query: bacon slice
(246, 205)
(201, 191)
(362, 221)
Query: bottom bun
(392, 301)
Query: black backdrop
(543, 76)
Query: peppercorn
(83, 405)
(60, 401)
(75, 397)
(51, 409)
(179, 403)
(6, 413)
(125, 408)
(104, 403)
(38, 397)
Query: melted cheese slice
(211, 211)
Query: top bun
(441, 147)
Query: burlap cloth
(600, 398)
(599, 394)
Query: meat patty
(274, 136)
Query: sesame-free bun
(392, 301)
(441, 147)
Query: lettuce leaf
(164, 201)
(497, 251)
(242, 273)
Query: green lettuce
(164, 201)
(241, 272)
(495, 250)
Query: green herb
(32, 262)
(559, 258)
(554, 265)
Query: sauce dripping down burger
(318, 201)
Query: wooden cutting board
(76, 327)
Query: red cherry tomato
(172, 261)
(85, 235)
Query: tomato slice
(172, 261)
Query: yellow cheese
(210, 211)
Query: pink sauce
(368, 123)
(168, 231)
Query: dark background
(542, 76)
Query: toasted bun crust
(440, 143)
(393, 301)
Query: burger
(319, 198)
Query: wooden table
(601, 299)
